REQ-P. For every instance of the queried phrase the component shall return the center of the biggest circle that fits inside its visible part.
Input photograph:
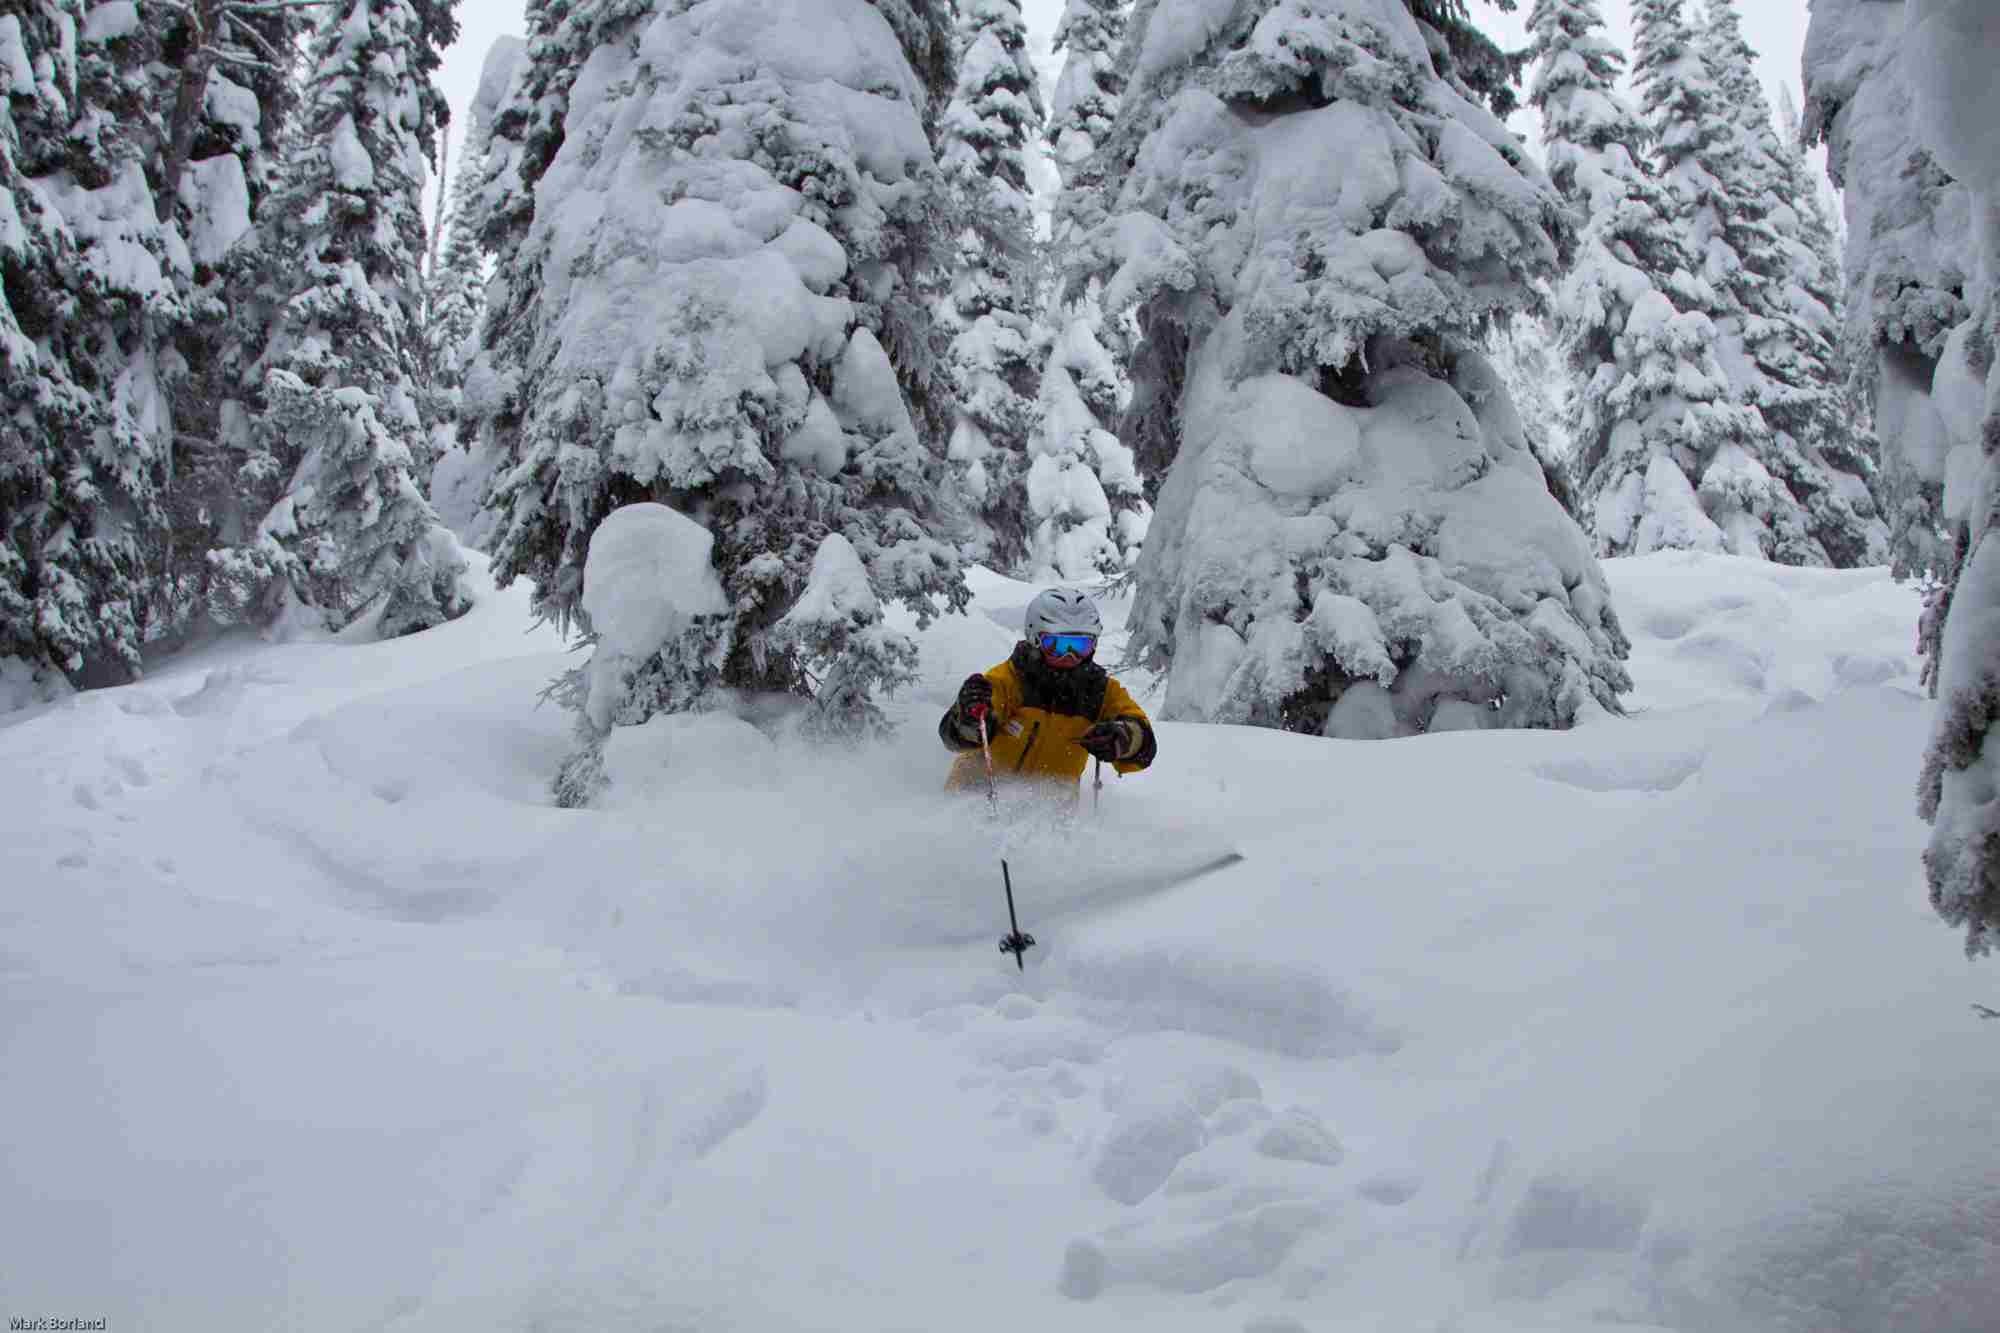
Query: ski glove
(1112, 741)
(974, 696)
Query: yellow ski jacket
(1037, 715)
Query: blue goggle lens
(1069, 645)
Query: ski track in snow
(303, 978)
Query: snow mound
(649, 573)
(1294, 1010)
(1656, 772)
(1219, 1196)
(1706, 627)
(1144, 1146)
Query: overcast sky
(1776, 28)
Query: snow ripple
(1290, 1009)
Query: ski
(1128, 891)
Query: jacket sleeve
(1119, 703)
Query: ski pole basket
(1016, 941)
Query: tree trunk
(204, 17)
(437, 218)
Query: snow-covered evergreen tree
(990, 126)
(455, 300)
(1700, 153)
(1478, 65)
(1083, 492)
(1907, 267)
(1525, 356)
(1083, 110)
(717, 304)
(1319, 220)
(1653, 408)
(1817, 238)
(231, 90)
(1086, 502)
(1847, 439)
(452, 290)
(1794, 372)
(96, 285)
(334, 438)
(1904, 96)
(1951, 48)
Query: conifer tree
(1653, 407)
(1084, 109)
(230, 88)
(1086, 499)
(335, 439)
(457, 289)
(454, 285)
(96, 285)
(1904, 98)
(1793, 371)
(1907, 273)
(747, 355)
(1318, 218)
(452, 291)
(1847, 440)
(994, 117)
(1747, 486)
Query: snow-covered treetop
(1575, 87)
(1085, 102)
(997, 108)
(991, 125)
(1699, 148)
(353, 194)
(1764, 171)
(1394, 204)
(1726, 197)
(485, 172)
(715, 303)
(1082, 116)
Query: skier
(1049, 708)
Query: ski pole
(985, 748)
(1016, 943)
(1097, 789)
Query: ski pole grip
(977, 712)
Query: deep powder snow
(316, 1014)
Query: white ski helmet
(1062, 611)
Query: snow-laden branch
(248, 62)
(271, 6)
(256, 39)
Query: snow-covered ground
(315, 1014)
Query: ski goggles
(1068, 645)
